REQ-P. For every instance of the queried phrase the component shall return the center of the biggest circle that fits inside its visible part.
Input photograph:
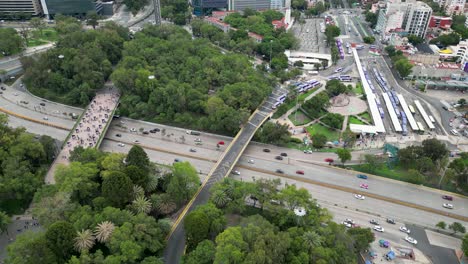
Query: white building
(452, 7)
(308, 58)
(417, 18)
(411, 16)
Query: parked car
(447, 197)
(346, 224)
(362, 176)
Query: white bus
(432, 119)
(276, 105)
(411, 108)
(420, 126)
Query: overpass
(89, 129)
(176, 238)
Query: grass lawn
(331, 135)
(301, 118)
(303, 96)
(358, 89)
(366, 116)
(36, 42)
(354, 120)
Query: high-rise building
(452, 7)
(411, 16)
(205, 7)
(31, 7)
(417, 18)
(240, 5)
(76, 8)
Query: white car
(405, 229)
(251, 161)
(347, 224)
(359, 197)
(411, 240)
(197, 140)
(236, 172)
(136, 142)
(308, 151)
(351, 221)
(45, 118)
(132, 129)
(15, 94)
(379, 229)
(448, 206)
(339, 70)
(121, 145)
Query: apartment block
(32, 7)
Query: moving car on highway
(374, 222)
(364, 186)
(447, 197)
(411, 240)
(266, 150)
(193, 150)
(448, 206)
(391, 221)
(121, 145)
(279, 158)
(404, 229)
(279, 171)
(236, 172)
(379, 229)
(301, 172)
(362, 176)
(339, 70)
(359, 197)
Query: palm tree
(84, 240)
(220, 198)
(141, 205)
(163, 203)
(138, 191)
(152, 184)
(311, 239)
(104, 231)
(5, 220)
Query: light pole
(271, 48)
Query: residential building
(217, 23)
(417, 18)
(206, 7)
(240, 5)
(411, 16)
(31, 7)
(452, 7)
(440, 22)
(76, 8)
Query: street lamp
(271, 48)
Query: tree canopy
(10, 42)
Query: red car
(329, 160)
(446, 197)
(364, 186)
(300, 172)
(221, 143)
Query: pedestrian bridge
(90, 128)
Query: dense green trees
(369, 39)
(464, 246)
(315, 106)
(344, 154)
(372, 18)
(458, 25)
(446, 39)
(415, 40)
(78, 66)
(23, 163)
(331, 32)
(333, 120)
(273, 133)
(81, 226)
(195, 85)
(135, 5)
(10, 42)
(401, 63)
(270, 232)
(176, 11)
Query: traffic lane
(28, 110)
(165, 144)
(38, 129)
(160, 157)
(36, 104)
(396, 190)
(376, 207)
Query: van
(454, 132)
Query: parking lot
(310, 37)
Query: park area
(298, 118)
(317, 128)
(38, 37)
